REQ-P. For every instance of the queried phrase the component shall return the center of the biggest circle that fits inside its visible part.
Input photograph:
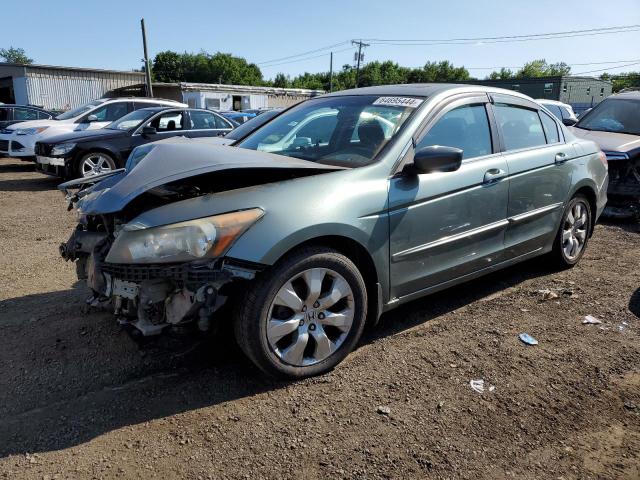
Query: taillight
(603, 159)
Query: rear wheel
(95, 163)
(304, 316)
(573, 234)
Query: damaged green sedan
(335, 211)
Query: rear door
(446, 225)
(206, 124)
(539, 172)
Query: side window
(111, 111)
(221, 122)
(24, 114)
(521, 127)
(555, 109)
(550, 128)
(168, 122)
(203, 120)
(43, 116)
(465, 127)
(4, 114)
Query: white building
(59, 88)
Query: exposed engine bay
(624, 187)
(154, 295)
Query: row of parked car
(99, 136)
(315, 220)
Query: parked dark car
(238, 117)
(10, 114)
(86, 153)
(614, 124)
(341, 208)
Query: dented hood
(170, 162)
(609, 141)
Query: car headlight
(62, 148)
(30, 131)
(208, 237)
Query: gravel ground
(80, 399)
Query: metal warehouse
(579, 92)
(222, 97)
(59, 88)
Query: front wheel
(95, 163)
(573, 234)
(304, 316)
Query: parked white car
(562, 111)
(18, 140)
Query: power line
(508, 38)
(605, 69)
(328, 47)
(569, 64)
(307, 58)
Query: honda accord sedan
(336, 211)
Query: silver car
(382, 195)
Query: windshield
(345, 130)
(131, 120)
(613, 115)
(79, 110)
(253, 124)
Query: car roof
(553, 102)
(15, 105)
(632, 95)
(425, 90)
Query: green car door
(447, 225)
(539, 173)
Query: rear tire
(573, 234)
(303, 316)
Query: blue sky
(107, 34)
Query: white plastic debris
(548, 294)
(528, 339)
(477, 385)
(591, 320)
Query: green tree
(540, 68)
(622, 80)
(281, 81)
(203, 67)
(503, 74)
(15, 55)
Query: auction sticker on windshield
(399, 101)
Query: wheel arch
(589, 191)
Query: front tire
(94, 163)
(303, 317)
(573, 234)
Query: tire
(94, 163)
(317, 338)
(565, 254)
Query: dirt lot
(80, 399)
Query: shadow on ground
(158, 379)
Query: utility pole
(331, 73)
(359, 57)
(147, 68)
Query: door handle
(493, 175)
(561, 158)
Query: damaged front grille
(183, 273)
(624, 176)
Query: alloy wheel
(95, 164)
(574, 231)
(310, 317)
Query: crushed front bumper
(154, 297)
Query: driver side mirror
(148, 131)
(569, 122)
(92, 118)
(436, 158)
